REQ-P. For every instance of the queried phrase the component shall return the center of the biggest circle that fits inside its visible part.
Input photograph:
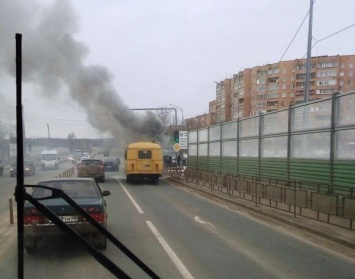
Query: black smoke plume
(54, 59)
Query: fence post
(11, 212)
(288, 164)
(334, 114)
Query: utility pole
(49, 135)
(309, 49)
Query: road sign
(176, 147)
(183, 139)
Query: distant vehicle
(49, 159)
(28, 168)
(106, 153)
(85, 192)
(71, 158)
(144, 160)
(92, 168)
(111, 164)
(1, 167)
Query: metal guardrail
(296, 197)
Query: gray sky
(153, 53)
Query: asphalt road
(177, 233)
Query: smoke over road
(54, 59)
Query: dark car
(111, 164)
(92, 168)
(85, 192)
(28, 168)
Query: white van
(49, 159)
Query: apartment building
(198, 122)
(223, 101)
(276, 86)
(241, 97)
(279, 85)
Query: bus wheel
(128, 179)
(155, 180)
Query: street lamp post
(182, 113)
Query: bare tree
(164, 116)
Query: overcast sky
(163, 52)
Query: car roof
(87, 179)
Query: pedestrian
(170, 160)
(179, 160)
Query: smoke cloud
(54, 59)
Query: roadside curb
(299, 222)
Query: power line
(293, 38)
(60, 119)
(326, 37)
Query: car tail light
(34, 220)
(33, 217)
(99, 217)
(95, 213)
(156, 167)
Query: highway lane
(215, 241)
(194, 238)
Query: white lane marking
(131, 198)
(180, 266)
(199, 220)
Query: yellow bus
(144, 160)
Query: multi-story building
(240, 99)
(223, 101)
(275, 86)
(279, 85)
(200, 121)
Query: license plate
(67, 219)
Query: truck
(49, 159)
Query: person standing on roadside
(179, 160)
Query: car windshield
(49, 157)
(74, 189)
(90, 162)
(212, 138)
(25, 163)
(110, 160)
